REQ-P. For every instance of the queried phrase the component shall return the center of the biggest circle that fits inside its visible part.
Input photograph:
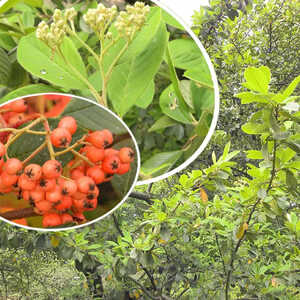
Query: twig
(19, 214)
(142, 288)
(117, 225)
(150, 277)
(220, 252)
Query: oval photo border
(114, 208)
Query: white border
(217, 100)
(125, 197)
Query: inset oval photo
(138, 60)
(65, 162)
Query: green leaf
(292, 86)
(91, 116)
(250, 97)
(146, 98)
(162, 123)
(5, 67)
(6, 41)
(11, 3)
(254, 154)
(254, 128)
(170, 106)
(130, 79)
(186, 54)
(292, 145)
(171, 20)
(160, 163)
(291, 180)
(203, 99)
(28, 90)
(49, 66)
(257, 79)
(201, 75)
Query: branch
(220, 252)
(19, 214)
(143, 196)
(150, 277)
(117, 225)
(142, 288)
(239, 243)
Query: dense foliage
(230, 230)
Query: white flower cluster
(101, 17)
(130, 21)
(53, 36)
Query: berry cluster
(60, 194)
(18, 112)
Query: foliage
(40, 275)
(208, 234)
(238, 34)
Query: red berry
(25, 195)
(108, 137)
(96, 173)
(78, 195)
(78, 204)
(64, 204)
(91, 204)
(111, 164)
(36, 196)
(61, 138)
(17, 120)
(26, 184)
(111, 152)
(68, 123)
(55, 195)
(68, 188)
(76, 173)
(43, 206)
(52, 169)
(9, 180)
(94, 154)
(18, 106)
(2, 150)
(78, 217)
(126, 155)
(97, 139)
(123, 168)
(46, 185)
(66, 218)
(51, 220)
(85, 184)
(13, 166)
(33, 172)
(1, 164)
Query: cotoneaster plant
(61, 194)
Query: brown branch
(117, 225)
(19, 214)
(239, 243)
(150, 276)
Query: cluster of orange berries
(60, 194)
(18, 112)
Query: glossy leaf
(49, 66)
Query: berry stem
(21, 131)
(48, 140)
(71, 147)
(34, 153)
(82, 157)
(19, 214)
